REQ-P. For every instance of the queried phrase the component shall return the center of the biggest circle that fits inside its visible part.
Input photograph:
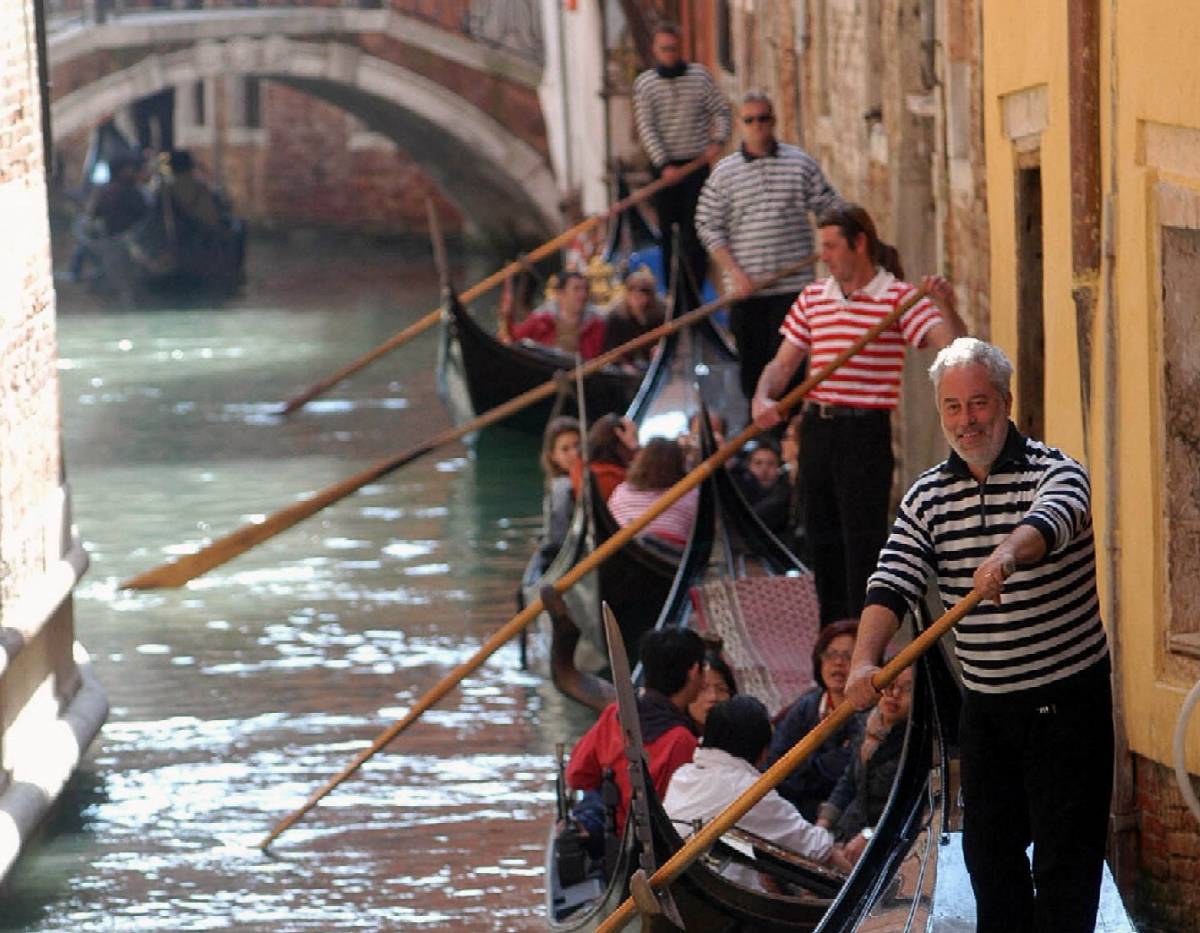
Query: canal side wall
(50, 705)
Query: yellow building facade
(1092, 141)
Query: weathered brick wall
(29, 415)
(1168, 886)
(308, 173)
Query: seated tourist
(719, 685)
(690, 442)
(762, 482)
(560, 452)
(633, 313)
(789, 449)
(671, 676)
(813, 780)
(612, 444)
(570, 323)
(656, 468)
(724, 765)
(858, 799)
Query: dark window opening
(1031, 331)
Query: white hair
(965, 351)
(757, 97)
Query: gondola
(476, 372)
(640, 578)
(890, 888)
(163, 255)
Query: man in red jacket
(672, 660)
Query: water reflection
(236, 696)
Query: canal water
(237, 696)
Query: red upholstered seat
(768, 626)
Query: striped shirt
(673, 526)
(678, 118)
(823, 323)
(757, 207)
(1048, 625)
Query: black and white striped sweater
(677, 118)
(1048, 624)
(758, 208)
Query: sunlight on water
(238, 695)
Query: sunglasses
(758, 118)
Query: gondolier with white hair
(1010, 517)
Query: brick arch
(496, 178)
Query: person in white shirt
(736, 735)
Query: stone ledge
(36, 784)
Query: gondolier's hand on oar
(774, 380)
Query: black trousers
(846, 470)
(676, 205)
(755, 325)
(1038, 769)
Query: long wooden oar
(623, 535)
(486, 285)
(724, 821)
(189, 566)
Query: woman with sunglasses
(813, 781)
(862, 792)
(632, 313)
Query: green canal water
(237, 696)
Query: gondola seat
(767, 627)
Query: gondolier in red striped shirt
(846, 459)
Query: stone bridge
(454, 84)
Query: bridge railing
(513, 25)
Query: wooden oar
(623, 535)
(189, 566)
(745, 801)
(486, 285)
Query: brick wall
(318, 167)
(1168, 884)
(29, 420)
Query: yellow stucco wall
(1158, 86)
(1155, 82)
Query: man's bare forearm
(876, 627)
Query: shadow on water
(235, 697)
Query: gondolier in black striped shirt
(1011, 517)
(680, 114)
(753, 217)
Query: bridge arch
(496, 179)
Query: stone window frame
(1172, 204)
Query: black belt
(829, 412)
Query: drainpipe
(564, 100)
(1083, 91)
(43, 66)
(1124, 826)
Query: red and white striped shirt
(674, 525)
(823, 323)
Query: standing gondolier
(1011, 518)
(680, 114)
(846, 459)
(753, 218)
